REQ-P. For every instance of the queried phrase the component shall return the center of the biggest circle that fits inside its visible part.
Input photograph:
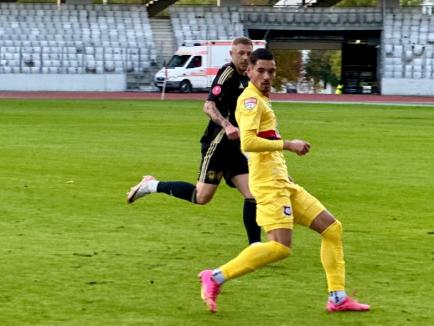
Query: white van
(195, 65)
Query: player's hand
(299, 147)
(232, 132)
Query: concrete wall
(63, 82)
(406, 86)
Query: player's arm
(214, 114)
(250, 142)
(218, 88)
(297, 146)
(249, 116)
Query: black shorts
(222, 158)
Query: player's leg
(332, 258)
(210, 171)
(277, 222)
(332, 253)
(250, 259)
(148, 185)
(253, 230)
(257, 255)
(205, 192)
(310, 212)
(237, 170)
(201, 193)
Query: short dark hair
(242, 40)
(260, 54)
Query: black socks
(249, 218)
(179, 189)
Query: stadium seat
(59, 35)
(388, 49)
(418, 50)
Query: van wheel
(185, 87)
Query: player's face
(240, 56)
(262, 74)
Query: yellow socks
(261, 254)
(253, 257)
(332, 256)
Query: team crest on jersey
(216, 90)
(287, 210)
(250, 103)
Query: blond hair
(242, 40)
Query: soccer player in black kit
(221, 152)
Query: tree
(289, 66)
(196, 2)
(323, 66)
(357, 3)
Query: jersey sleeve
(220, 83)
(248, 115)
(250, 142)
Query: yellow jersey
(260, 140)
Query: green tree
(289, 66)
(357, 3)
(323, 66)
(410, 3)
(336, 64)
(196, 2)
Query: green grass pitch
(74, 253)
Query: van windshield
(178, 61)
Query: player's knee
(334, 231)
(279, 251)
(202, 198)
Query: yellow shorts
(281, 203)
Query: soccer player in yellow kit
(280, 202)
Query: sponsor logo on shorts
(287, 210)
(250, 103)
(213, 176)
(216, 90)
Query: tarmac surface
(281, 97)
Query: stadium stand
(408, 47)
(408, 52)
(205, 23)
(45, 38)
(102, 40)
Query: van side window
(196, 62)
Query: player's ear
(249, 70)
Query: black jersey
(225, 89)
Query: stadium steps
(142, 81)
(165, 45)
(163, 38)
